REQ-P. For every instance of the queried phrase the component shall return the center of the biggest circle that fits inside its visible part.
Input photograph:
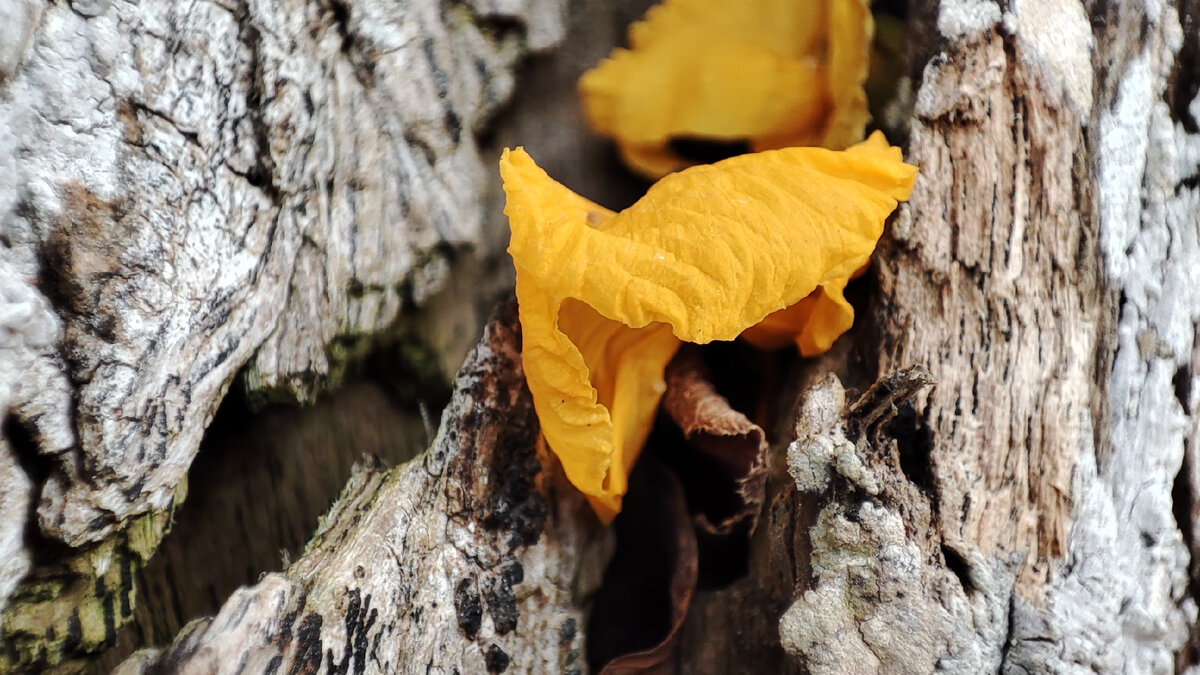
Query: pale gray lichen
(870, 606)
(882, 599)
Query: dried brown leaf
(727, 438)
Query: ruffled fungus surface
(605, 298)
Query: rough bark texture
(453, 562)
(189, 189)
(261, 480)
(1044, 272)
(878, 562)
(200, 186)
(257, 490)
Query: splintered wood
(452, 562)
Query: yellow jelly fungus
(605, 298)
(773, 73)
(811, 324)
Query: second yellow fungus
(772, 73)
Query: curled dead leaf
(733, 445)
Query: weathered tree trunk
(1030, 512)
(189, 190)
(192, 189)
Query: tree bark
(1054, 237)
(452, 562)
(1029, 512)
(190, 190)
(996, 471)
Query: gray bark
(454, 562)
(1052, 238)
(192, 189)
(202, 186)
